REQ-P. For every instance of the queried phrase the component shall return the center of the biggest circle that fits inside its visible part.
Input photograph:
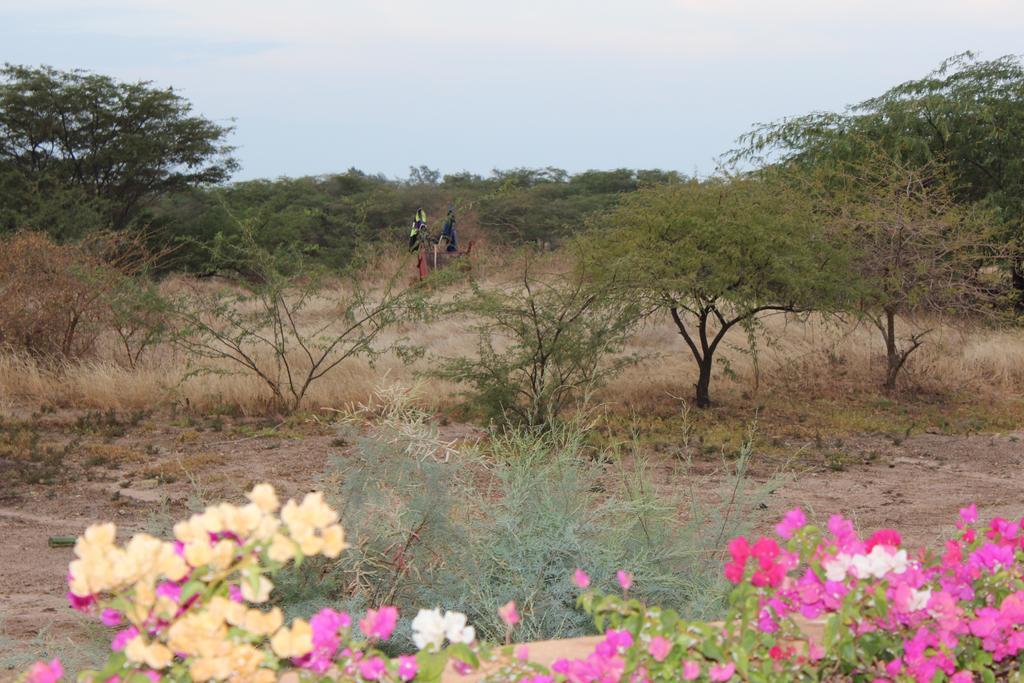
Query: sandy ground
(916, 486)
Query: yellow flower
(264, 497)
(334, 540)
(198, 553)
(294, 642)
(222, 554)
(310, 544)
(155, 656)
(281, 549)
(260, 594)
(263, 623)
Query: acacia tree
(80, 150)
(915, 250)
(968, 114)
(714, 255)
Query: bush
(542, 343)
(57, 299)
(510, 520)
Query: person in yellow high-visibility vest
(418, 224)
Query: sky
(320, 86)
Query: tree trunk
(892, 352)
(703, 397)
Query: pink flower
(884, 537)
(508, 613)
(379, 623)
(41, 672)
(110, 617)
(659, 648)
(721, 672)
(792, 521)
(691, 670)
(962, 677)
(372, 669)
(408, 667)
(581, 579)
(120, 641)
(522, 653)
(625, 579)
(969, 514)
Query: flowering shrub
(889, 614)
(194, 610)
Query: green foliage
(542, 343)
(80, 151)
(967, 114)
(472, 528)
(715, 254)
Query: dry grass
(809, 359)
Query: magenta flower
(792, 521)
(408, 667)
(691, 670)
(659, 648)
(625, 579)
(721, 672)
(41, 672)
(110, 617)
(884, 537)
(969, 514)
(581, 579)
(962, 677)
(120, 641)
(372, 669)
(508, 613)
(379, 623)
(522, 653)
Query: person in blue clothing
(448, 231)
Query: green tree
(75, 141)
(968, 115)
(714, 255)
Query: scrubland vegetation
(636, 359)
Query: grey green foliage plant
(510, 518)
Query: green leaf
(431, 666)
(464, 654)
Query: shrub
(508, 520)
(255, 328)
(542, 342)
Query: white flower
(836, 569)
(918, 599)
(456, 630)
(880, 562)
(428, 628)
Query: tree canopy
(715, 254)
(81, 151)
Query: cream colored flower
(261, 593)
(222, 554)
(198, 553)
(334, 541)
(264, 497)
(263, 623)
(154, 655)
(281, 549)
(293, 642)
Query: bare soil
(151, 472)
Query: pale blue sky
(317, 86)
